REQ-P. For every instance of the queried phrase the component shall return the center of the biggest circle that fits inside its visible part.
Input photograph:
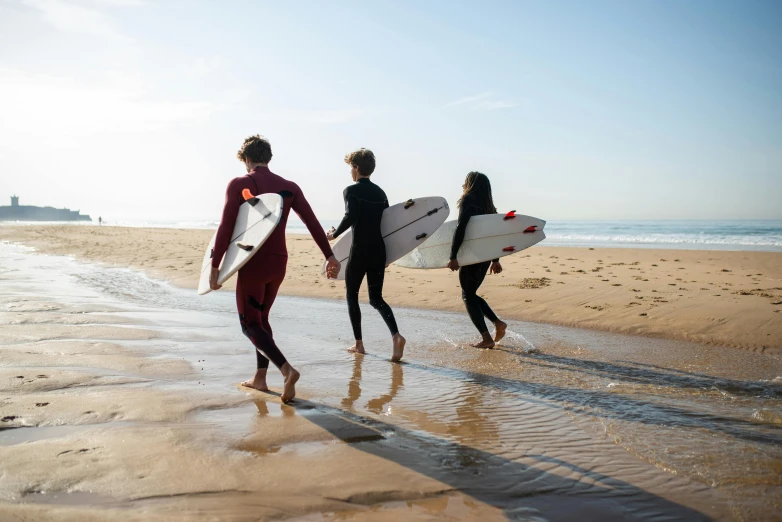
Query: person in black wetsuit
(476, 200)
(364, 206)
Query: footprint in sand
(76, 452)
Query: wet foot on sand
(484, 344)
(289, 388)
(357, 348)
(256, 385)
(258, 382)
(500, 333)
(399, 348)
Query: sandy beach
(119, 396)
(713, 297)
(633, 372)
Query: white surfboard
(487, 237)
(256, 220)
(404, 226)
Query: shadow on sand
(562, 491)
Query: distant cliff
(17, 212)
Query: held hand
(213, 279)
(453, 264)
(332, 268)
(495, 268)
(330, 234)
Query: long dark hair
(478, 185)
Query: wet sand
(721, 298)
(119, 400)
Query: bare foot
(357, 348)
(399, 348)
(289, 388)
(486, 342)
(258, 382)
(500, 330)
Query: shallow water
(606, 424)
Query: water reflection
(378, 404)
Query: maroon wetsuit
(261, 277)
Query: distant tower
(14, 201)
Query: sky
(593, 110)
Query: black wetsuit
(364, 206)
(471, 276)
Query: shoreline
(723, 298)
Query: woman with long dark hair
(476, 200)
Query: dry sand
(714, 297)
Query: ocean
(753, 235)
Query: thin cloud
(205, 65)
(71, 17)
(122, 3)
(484, 102)
(494, 105)
(314, 116)
(31, 102)
(335, 116)
(470, 99)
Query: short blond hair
(363, 159)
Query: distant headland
(17, 212)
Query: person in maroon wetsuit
(260, 279)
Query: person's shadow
(522, 491)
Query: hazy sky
(576, 110)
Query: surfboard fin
(530, 230)
(509, 215)
(249, 198)
(409, 203)
(247, 248)
(420, 236)
(509, 249)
